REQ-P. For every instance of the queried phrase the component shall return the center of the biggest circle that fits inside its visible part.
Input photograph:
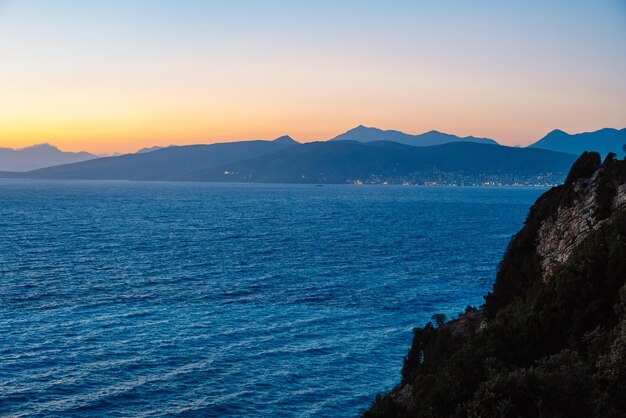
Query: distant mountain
(38, 156)
(603, 141)
(171, 163)
(150, 149)
(284, 160)
(364, 134)
(380, 161)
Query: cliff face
(561, 233)
(551, 337)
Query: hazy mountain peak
(285, 139)
(603, 141)
(557, 132)
(358, 130)
(38, 156)
(149, 149)
(42, 146)
(611, 130)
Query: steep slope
(38, 156)
(550, 340)
(365, 134)
(602, 141)
(345, 161)
(171, 163)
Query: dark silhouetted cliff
(550, 340)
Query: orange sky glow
(110, 77)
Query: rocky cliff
(569, 226)
(550, 339)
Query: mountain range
(362, 154)
(386, 161)
(364, 134)
(38, 156)
(284, 160)
(171, 163)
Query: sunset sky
(115, 76)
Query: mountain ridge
(604, 141)
(286, 161)
(362, 133)
(392, 162)
(38, 156)
(168, 163)
(374, 158)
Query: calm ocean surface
(182, 299)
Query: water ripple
(167, 299)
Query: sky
(115, 76)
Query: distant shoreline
(316, 185)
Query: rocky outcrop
(550, 339)
(570, 225)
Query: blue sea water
(183, 299)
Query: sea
(156, 299)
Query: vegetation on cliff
(550, 341)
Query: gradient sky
(115, 76)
